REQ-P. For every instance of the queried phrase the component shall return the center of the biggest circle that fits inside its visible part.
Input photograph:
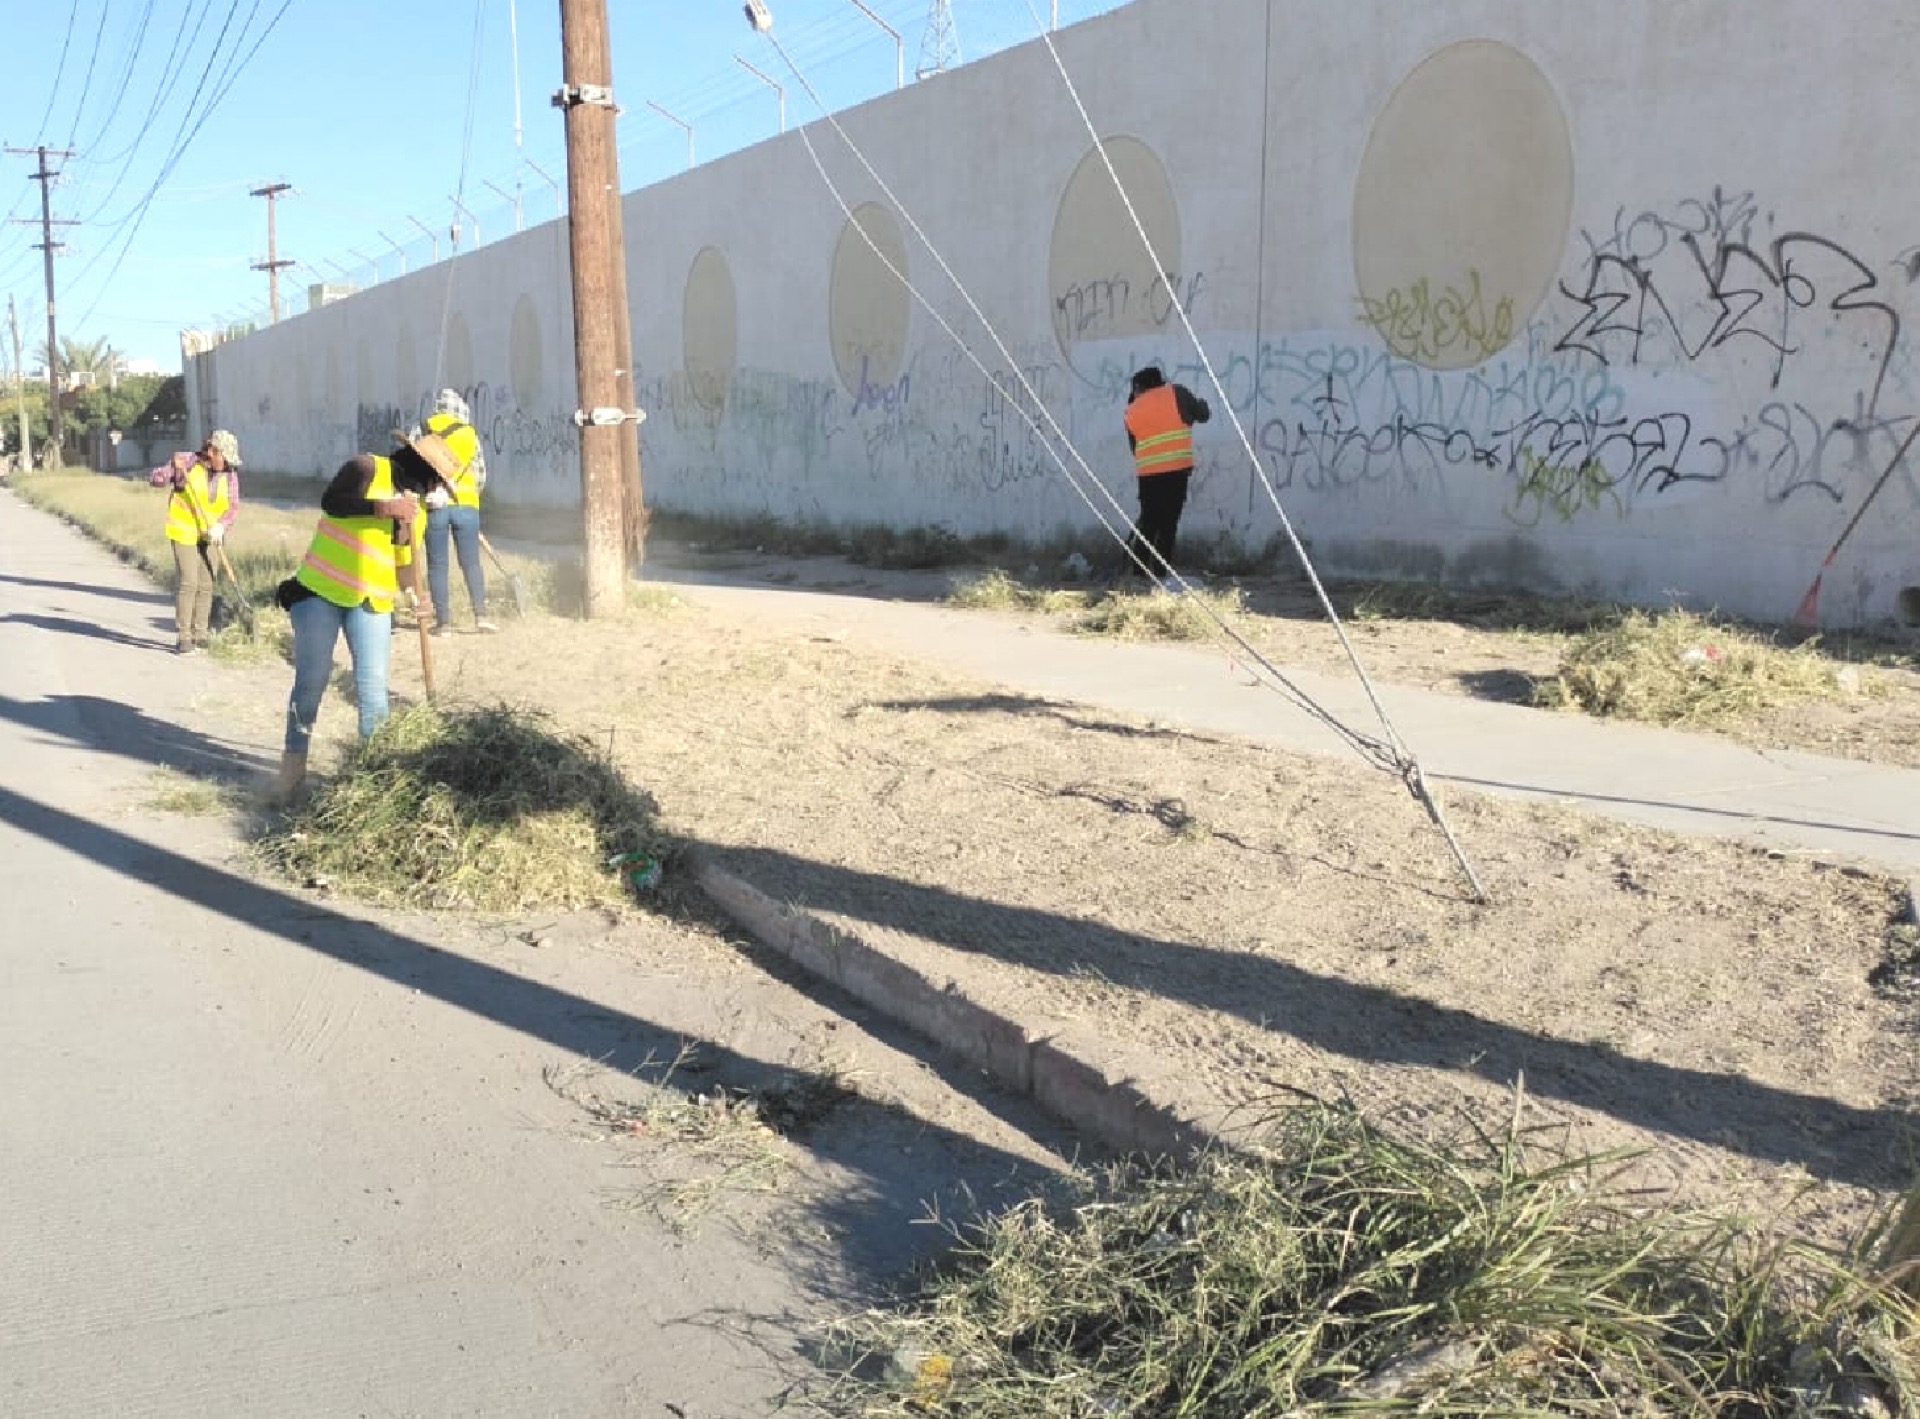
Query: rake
(514, 584)
(1809, 613)
(241, 605)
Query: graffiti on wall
(1434, 325)
(1671, 290)
(1095, 307)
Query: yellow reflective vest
(465, 443)
(355, 559)
(193, 509)
(1162, 440)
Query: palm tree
(96, 358)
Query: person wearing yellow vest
(203, 503)
(455, 512)
(367, 538)
(1160, 419)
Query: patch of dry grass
(1341, 1272)
(1160, 615)
(1121, 613)
(481, 809)
(168, 790)
(1677, 668)
(728, 1140)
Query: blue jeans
(464, 524)
(317, 624)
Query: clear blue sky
(379, 115)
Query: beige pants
(193, 594)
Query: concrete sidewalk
(1837, 809)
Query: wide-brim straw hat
(437, 452)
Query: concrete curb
(1079, 1093)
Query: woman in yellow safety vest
(369, 530)
(1160, 419)
(456, 512)
(205, 499)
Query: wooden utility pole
(600, 320)
(633, 506)
(47, 245)
(19, 387)
(273, 265)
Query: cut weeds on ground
(1340, 1272)
(1677, 668)
(480, 809)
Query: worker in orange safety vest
(1160, 419)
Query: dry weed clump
(1344, 1273)
(1120, 613)
(1677, 668)
(483, 809)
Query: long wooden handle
(420, 604)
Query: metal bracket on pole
(573, 95)
(604, 417)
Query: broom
(1808, 616)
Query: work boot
(293, 773)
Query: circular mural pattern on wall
(1100, 279)
(710, 329)
(867, 304)
(1462, 206)
(527, 360)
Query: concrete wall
(1606, 295)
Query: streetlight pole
(672, 118)
(899, 45)
(432, 235)
(513, 197)
(779, 92)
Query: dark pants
(1163, 496)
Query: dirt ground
(1237, 928)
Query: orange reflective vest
(465, 444)
(355, 559)
(192, 510)
(1162, 440)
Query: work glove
(217, 533)
(439, 497)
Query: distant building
(329, 292)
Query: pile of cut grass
(1340, 1272)
(1158, 615)
(1121, 613)
(998, 590)
(1677, 668)
(478, 809)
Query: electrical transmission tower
(940, 45)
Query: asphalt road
(262, 1153)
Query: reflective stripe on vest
(465, 444)
(1162, 440)
(195, 508)
(351, 559)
